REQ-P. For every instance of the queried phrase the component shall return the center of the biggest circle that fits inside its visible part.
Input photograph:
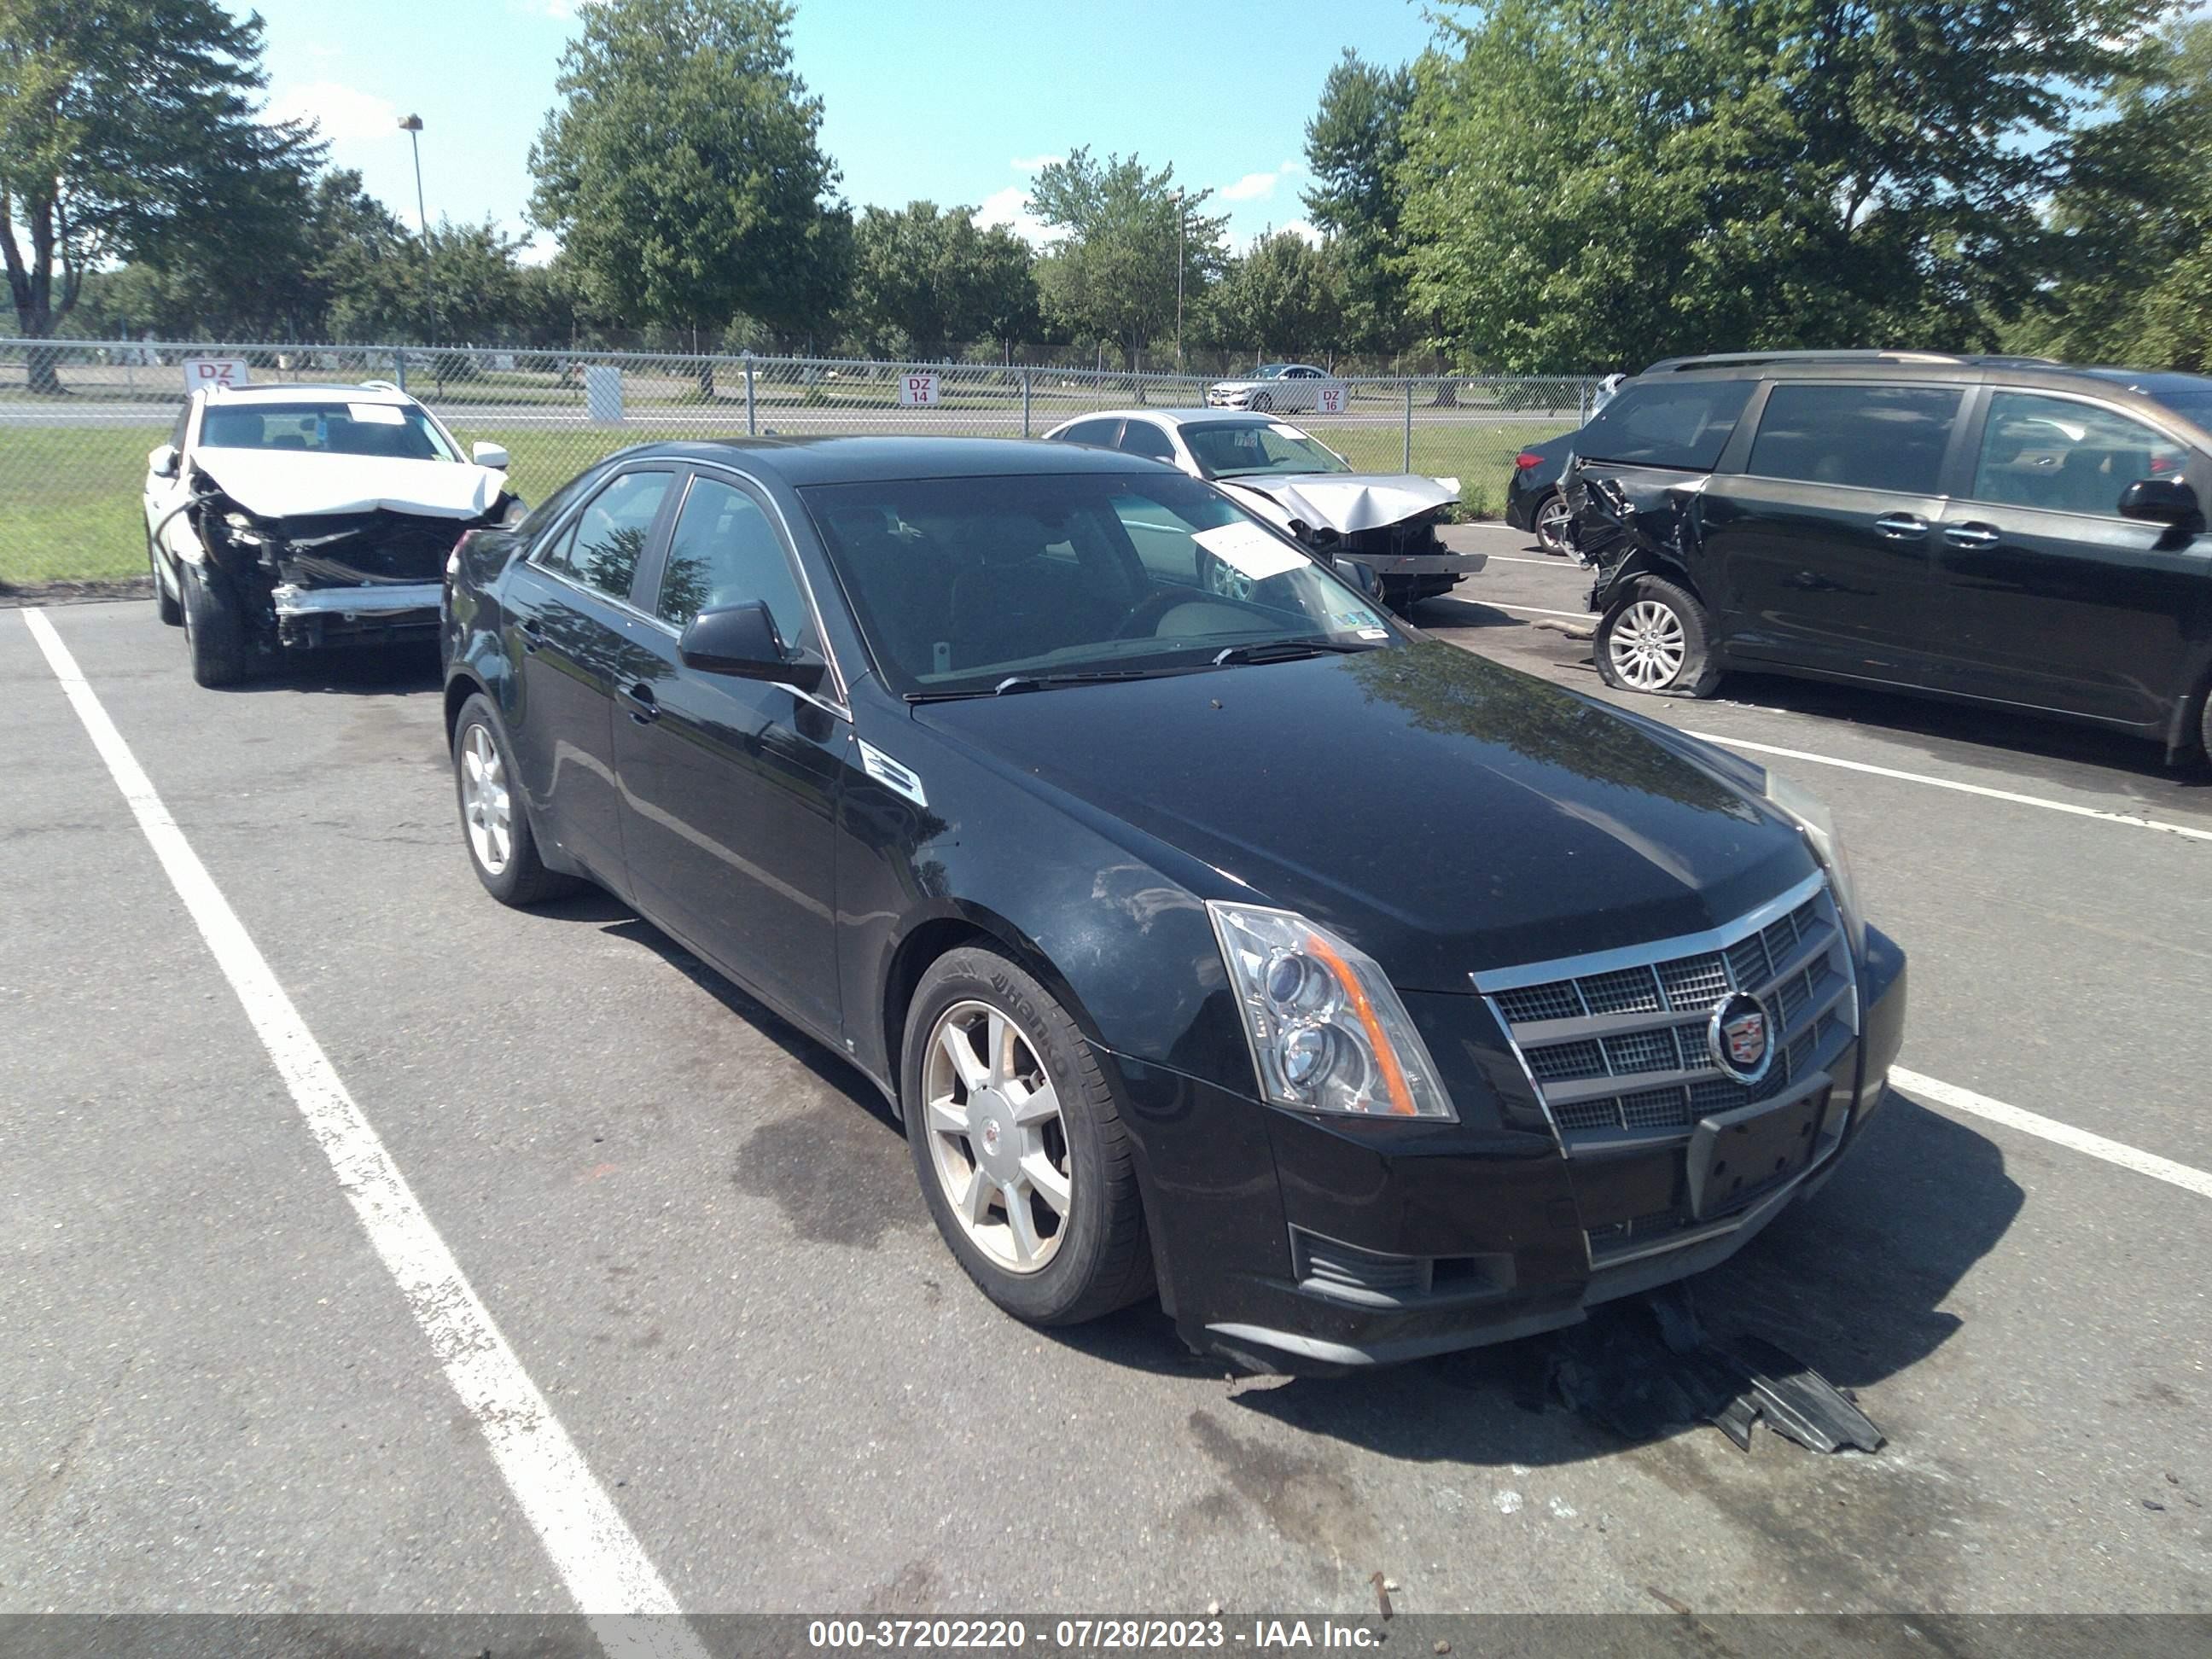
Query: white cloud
(1010, 207)
(341, 112)
(1034, 163)
(1260, 187)
(1242, 244)
(539, 249)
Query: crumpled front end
(1387, 522)
(311, 579)
(1623, 527)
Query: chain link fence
(77, 417)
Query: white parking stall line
(2132, 820)
(600, 1560)
(2064, 1134)
(1518, 558)
(1536, 610)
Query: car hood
(1448, 815)
(279, 484)
(1349, 502)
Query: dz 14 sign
(918, 390)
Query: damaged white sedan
(1386, 521)
(286, 518)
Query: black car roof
(877, 459)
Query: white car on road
(1273, 385)
(284, 518)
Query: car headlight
(1327, 1032)
(1812, 816)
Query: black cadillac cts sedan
(1361, 998)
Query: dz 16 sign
(205, 373)
(1329, 400)
(918, 390)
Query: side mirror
(1361, 575)
(741, 640)
(2160, 501)
(162, 460)
(492, 455)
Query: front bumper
(310, 616)
(1395, 565)
(1295, 1245)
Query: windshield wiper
(1285, 650)
(1014, 683)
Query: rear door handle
(1898, 527)
(533, 633)
(1971, 535)
(644, 706)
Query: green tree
(129, 130)
(2132, 251)
(1284, 295)
(682, 169)
(1592, 185)
(1110, 271)
(1355, 151)
(924, 280)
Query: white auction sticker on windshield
(1249, 550)
(1283, 431)
(377, 414)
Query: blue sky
(954, 101)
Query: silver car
(1275, 386)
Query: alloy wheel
(1552, 524)
(996, 1139)
(487, 808)
(1647, 644)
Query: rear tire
(494, 820)
(215, 629)
(998, 1081)
(1552, 518)
(165, 603)
(1658, 640)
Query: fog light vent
(1345, 1270)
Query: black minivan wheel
(494, 824)
(1019, 1143)
(1658, 638)
(216, 634)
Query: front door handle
(644, 706)
(1900, 526)
(1971, 535)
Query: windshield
(393, 431)
(962, 584)
(1237, 449)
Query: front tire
(494, 824)
(216, 635)
(1658, 640)
(1018, 1141)
(166, 605)
(1262, 402)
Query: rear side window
(2067, 456)
(1866, 437)
(1666, 423)
(1142, 438)
(609, 536)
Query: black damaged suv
(2001, 530)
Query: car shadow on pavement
(1853, 1282)
(2027, 742)
(1447, 610)
(373, 670)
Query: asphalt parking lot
(701, 1238)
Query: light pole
(412, 126)
(1183, 227)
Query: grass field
(72, 492)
